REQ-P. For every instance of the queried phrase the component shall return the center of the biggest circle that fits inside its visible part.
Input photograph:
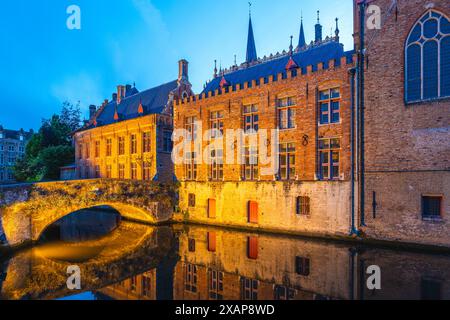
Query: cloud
(83, 88)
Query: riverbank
(356, 240)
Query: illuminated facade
(305, 94)
(130, 137)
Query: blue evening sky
(42, 63)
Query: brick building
(12, 148)
(305, 94)
(129, 137)
(407, 138)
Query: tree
(50, 148)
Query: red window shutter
(253, 212)
(212, 241)
(212, 208)
(252, 250)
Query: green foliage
(50, 148)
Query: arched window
(427, 56)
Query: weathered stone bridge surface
(27, 210)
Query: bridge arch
(26, 211)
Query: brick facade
(93, 160)
(407, 145)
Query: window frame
(330, 151)
(329, 102)
(428, 15)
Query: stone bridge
(27, 210)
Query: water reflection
(190, 263)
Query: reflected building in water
(218, 264)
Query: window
(215, 285)
(121, 146)
(431, 289)
(191, 166)
(251, 118)
(303, 206)
(167, 141)
(11, 148)
(249, 289)
(287, 161)
(134, 171)
(80, 151)
(302, 266)
(146, 171)
(97, 171)
(212, 241)
(329, 155)
(427, 59)
(191, 128)
(329, 101)
(108, 171)
(88, 151)
(250, 166)
(284, 293)
(97, 149)
(190, 278)
(133, 144)
(146, 142)
(121, 171)
(286, 113)
(216, 167)
(191, 200)
(146, 285)
(216, 120)
(191, 245)
(431, 207)
(212, 208)
(252, 208)
(133, 283)
(108, 147)
(252, 248)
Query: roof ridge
(147, 90)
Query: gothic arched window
(427, 58)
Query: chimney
(183, 70)
(92, 111)
(127, 89)
(114, 97)
(120, 93)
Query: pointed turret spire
(318, 28)
(301, 40)
(215, 68)
(336, 32)
(291, 47)
(251, 47)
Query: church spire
(251, 47)
(301, 40)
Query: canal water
(123, 260)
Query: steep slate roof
(153, 101)
(322, 53)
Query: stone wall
(277, 202)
